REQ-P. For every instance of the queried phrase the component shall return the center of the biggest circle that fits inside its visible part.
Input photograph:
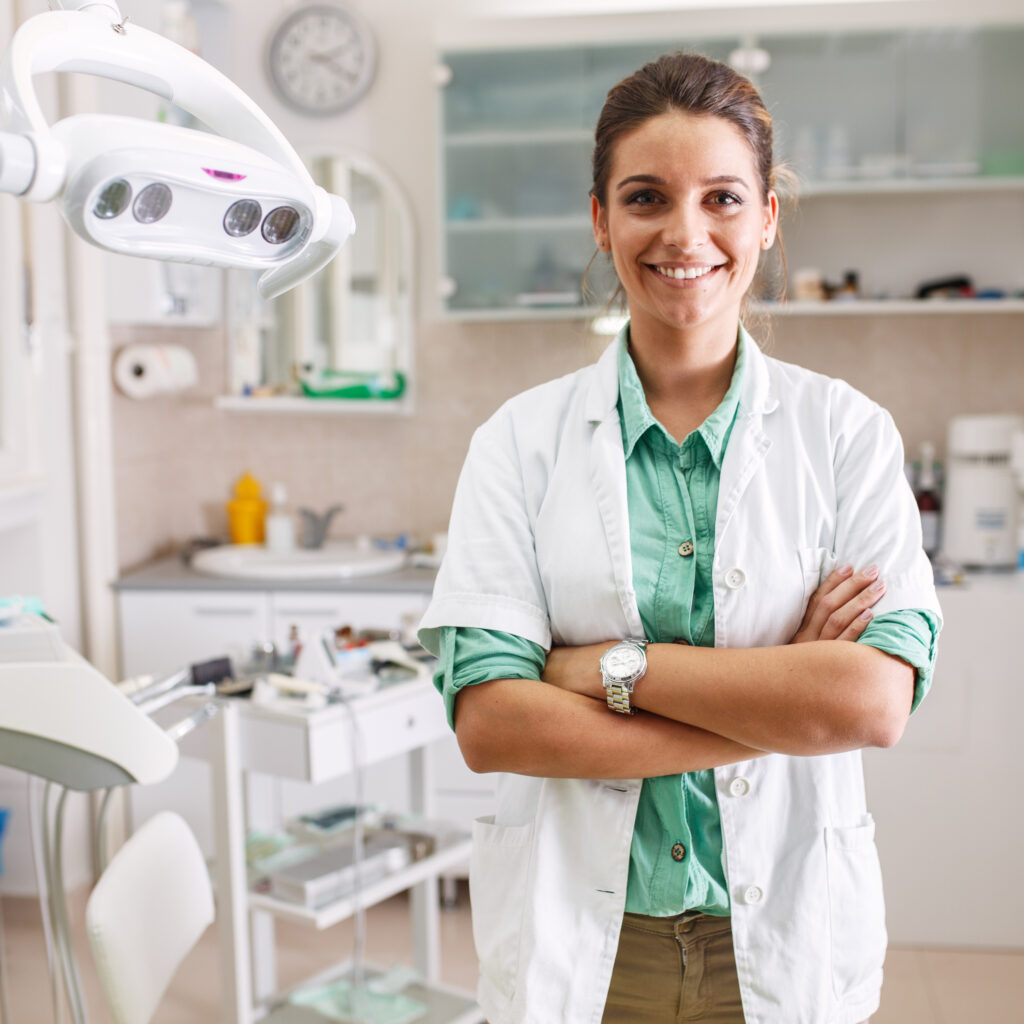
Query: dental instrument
(234, 195)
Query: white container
(280, 525)
(981, 504)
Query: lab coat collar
(757, 396)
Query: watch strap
(619, 698)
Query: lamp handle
(87, 42)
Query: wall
(176, 459)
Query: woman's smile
(673, 273)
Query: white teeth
(683, 274)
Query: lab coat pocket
(816, 564)
(856, 905)
(498, 871)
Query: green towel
(339, 1002)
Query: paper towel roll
(141, 371)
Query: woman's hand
(840, 609)
(577, 669)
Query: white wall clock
(321, 58)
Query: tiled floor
(923, 986)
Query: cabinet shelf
(482, 225)
(876, 307)
(322, 406)
(450, 855)
(519, 137)
(444, 1003)
(908, 186)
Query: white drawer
(319, 746)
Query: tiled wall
(176, 458)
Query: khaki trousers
(674, 969)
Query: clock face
(321, 59)
(622, 662)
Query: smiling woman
(683, 588)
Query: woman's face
(684, 221)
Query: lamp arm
(88, 42)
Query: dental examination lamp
(235, 195)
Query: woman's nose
(684, 228)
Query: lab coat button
(739, 786)
(686, 548)
(678, 851)
(753, 894)
(735, 578)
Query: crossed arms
(699, 707)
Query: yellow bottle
(247, 512)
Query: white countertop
(172, 574)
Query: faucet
(314, 527)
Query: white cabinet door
(311, 611)
(950, 789)
(163, 630)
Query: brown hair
(693, 84)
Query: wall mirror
(344, 338)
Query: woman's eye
(725, 199)
(643, 198)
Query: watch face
(321, 59)
(623, 662)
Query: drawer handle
(410, 722)
(234, 612)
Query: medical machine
(980, 528)
(233, 195)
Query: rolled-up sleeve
(911, 635)
(468, 656)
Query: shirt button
(739, 786)
(753, 894)
(735, 578)
(686, 548)
(678, 851)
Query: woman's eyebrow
(647, 179)
(653, 179)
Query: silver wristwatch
(621, 667)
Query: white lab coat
(539, 546)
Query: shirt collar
(637, 418)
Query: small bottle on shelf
(928, 501)
(280, 527)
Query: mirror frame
(254, 325)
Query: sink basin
(336, 560)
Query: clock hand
(329, 59)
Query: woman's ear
(600, 222)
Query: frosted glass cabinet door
(837, 101)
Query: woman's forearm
(803, 698)
(530, 728)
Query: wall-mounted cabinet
(910, 141)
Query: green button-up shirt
(676, 858)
